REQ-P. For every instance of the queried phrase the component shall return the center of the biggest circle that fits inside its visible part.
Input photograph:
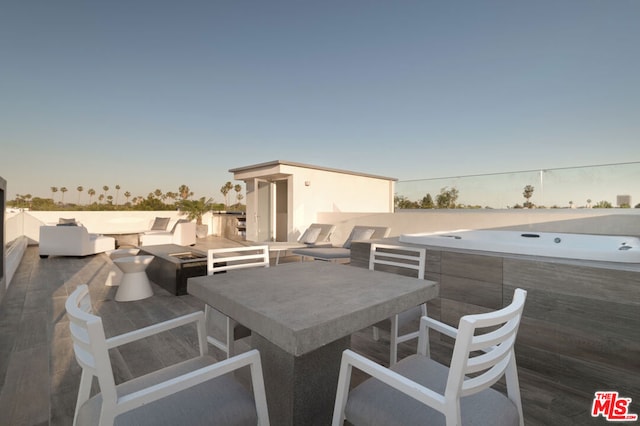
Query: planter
(202, 231)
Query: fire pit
(173, 265)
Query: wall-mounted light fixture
(307, 183)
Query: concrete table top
(303, 306)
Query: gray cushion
(67, 222)
(326, 253)
(375, 403)
(310, 235)
(160, 224)
(220, 401)
(358, 234)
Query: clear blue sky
(155, 94)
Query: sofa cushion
(160, 224)
(67, 222)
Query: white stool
(113, 277)
(135, 284)
(125, 252)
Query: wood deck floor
(40, 376)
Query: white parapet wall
(581, 221)
(102, 222)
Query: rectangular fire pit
(173, 265)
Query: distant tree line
(156, 200)
(448, 197)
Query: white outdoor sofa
(183, 233)
(72, 241)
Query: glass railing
(601, 186)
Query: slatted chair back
(90, 348)
(484, 350)
(228, 259)
(398, 257)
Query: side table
(135, 284)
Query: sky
(156, 94)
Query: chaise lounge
(343, 253)
(316, 235)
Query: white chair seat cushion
(223, 399)
(375, 403)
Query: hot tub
(607, 248)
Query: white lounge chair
(316, 235)
(343, 254)
(418, 390)
(198, 391)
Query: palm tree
(171, 196)
(127, 195)
(54, 189)
(63, 190)
(100, 198)
(238, 188)
(527, 194)
(27, 197)
(117, 191)
(91, 193)
(110, 199)
(184, 192)
(225, 192)
(80, 189)
(194, 209)
(105, 189)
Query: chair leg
(222, 345)
(83, 393)
(376, 333)
(230, 337)
(393, 341)
(342, 392)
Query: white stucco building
(284, 198)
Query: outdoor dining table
(302, 315)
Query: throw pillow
(160, 224)
(310, 236)
(358, 234)
(67, 222)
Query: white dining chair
(197, 391)
(420, 391)
(409, 261)
(223, 260)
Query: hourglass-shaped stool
(135, 284)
